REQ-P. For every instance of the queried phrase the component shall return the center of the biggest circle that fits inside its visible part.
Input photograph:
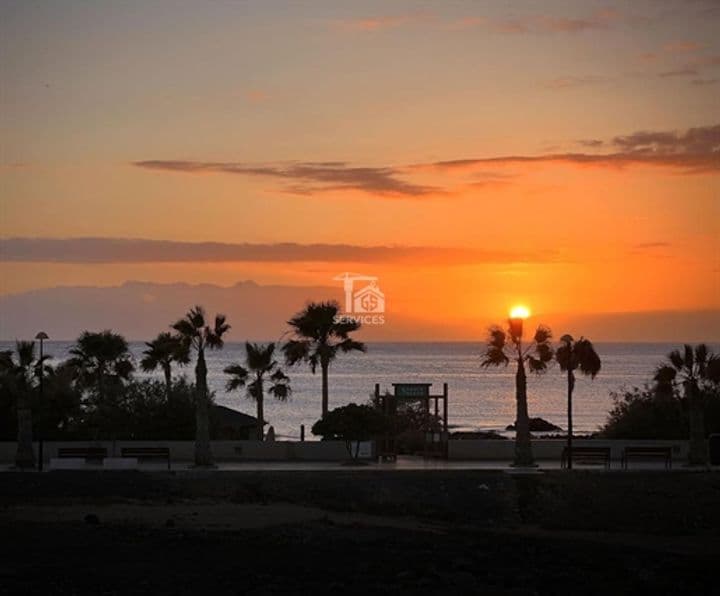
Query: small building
(232, 425)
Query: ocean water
(479, 398)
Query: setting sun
(519, 312)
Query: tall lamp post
(41, 336)
(523, 447)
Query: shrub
(351, 423)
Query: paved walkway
(402, 463)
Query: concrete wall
(492, 449)
(222, 450)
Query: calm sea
(479, 398)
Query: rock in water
(538, 425)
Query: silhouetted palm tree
(101, 359)
(161, 352)
(318, 335)
(261, 366)
(201, 336)
(537, 355)
(693, 370)
(18, 378)
(571, 356)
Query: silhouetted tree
(351, 423)
(574, 355)
(101, 360)
(201, 336)
(161, 352)
(319, 333)
(18, 378)
(696, 371)
(537, 354)
(261, 367)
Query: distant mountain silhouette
(139, 310)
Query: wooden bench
(86, 453)
(663, 453)
(147, 453)
(587, 454)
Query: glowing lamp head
(519, 312)
(517, 315)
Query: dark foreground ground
(356, 532)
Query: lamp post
(41, 336)
(523, 447)
(516, 328)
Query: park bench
(587, 455)
(645, 453)
(86, 453)
(147, 453)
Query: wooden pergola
(436, 435)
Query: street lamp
(41, 336)
(517, 314)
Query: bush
(645, 413)
(351, 423)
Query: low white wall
(494, 449)
(222, 450)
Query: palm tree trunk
(325, 393)
(168, 380)
(571, 387)
(203, 455)
(24, 456)
(523, 445)
(260, 412)
(697, 455)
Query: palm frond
(254, 390)
(221, 325)
(712, 369)
(543, 334)
(280, 391)
(196, 317)
(689, 356)
(564, 357)
(544, 352)
(348, 345)
(494, 357)
(676, 359)
(536, 365)
(665, 375)
(296, 350)
(588, 359)
(185, 328)
(238, 377)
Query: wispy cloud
(562, 83)
(309, 177)
(548, 24)
(651, 245)
(130, 250)
(686, 71)
(704, 82)
(692, 67)
(696, 150)
(256, 96)
(381, 22)
(682, 47)
(524, 24)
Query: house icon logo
(368, 299)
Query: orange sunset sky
(472, 155)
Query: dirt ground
(345, 533)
